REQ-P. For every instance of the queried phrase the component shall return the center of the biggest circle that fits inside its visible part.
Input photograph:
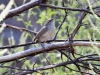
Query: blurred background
(20, 21)
(34, 19)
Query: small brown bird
(46, 31)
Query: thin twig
(20, 29)
(77, 71)
(60, 26)
(78, 26)
(66, 8)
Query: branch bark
(23, 8)
(50, 47)
(67, 8)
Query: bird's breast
(46, 36)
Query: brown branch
(78, 26)
(23, 8)
(60, 25)
(77, 60)
(12, 67)
(67, 8)
(77, 71)
(22, 73)
(29, 43)
(35, 51)
(20, 29)
(18, 45)
(47, 67)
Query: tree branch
(23, 8)
(35, 51)
(19, 28)
(67, 8)
(77, 60)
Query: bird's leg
(42, 44)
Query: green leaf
(28, 23)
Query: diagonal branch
(78, 26)
(77, 60)
(19, 28)
(23, 8)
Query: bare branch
(19, 28)
(34, 51)
(78, 26)
(67, 8)
(77, 60)
(23, 8)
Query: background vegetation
(68, 14)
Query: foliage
(89, 30)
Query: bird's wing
(40, 33)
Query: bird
(46, 32)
